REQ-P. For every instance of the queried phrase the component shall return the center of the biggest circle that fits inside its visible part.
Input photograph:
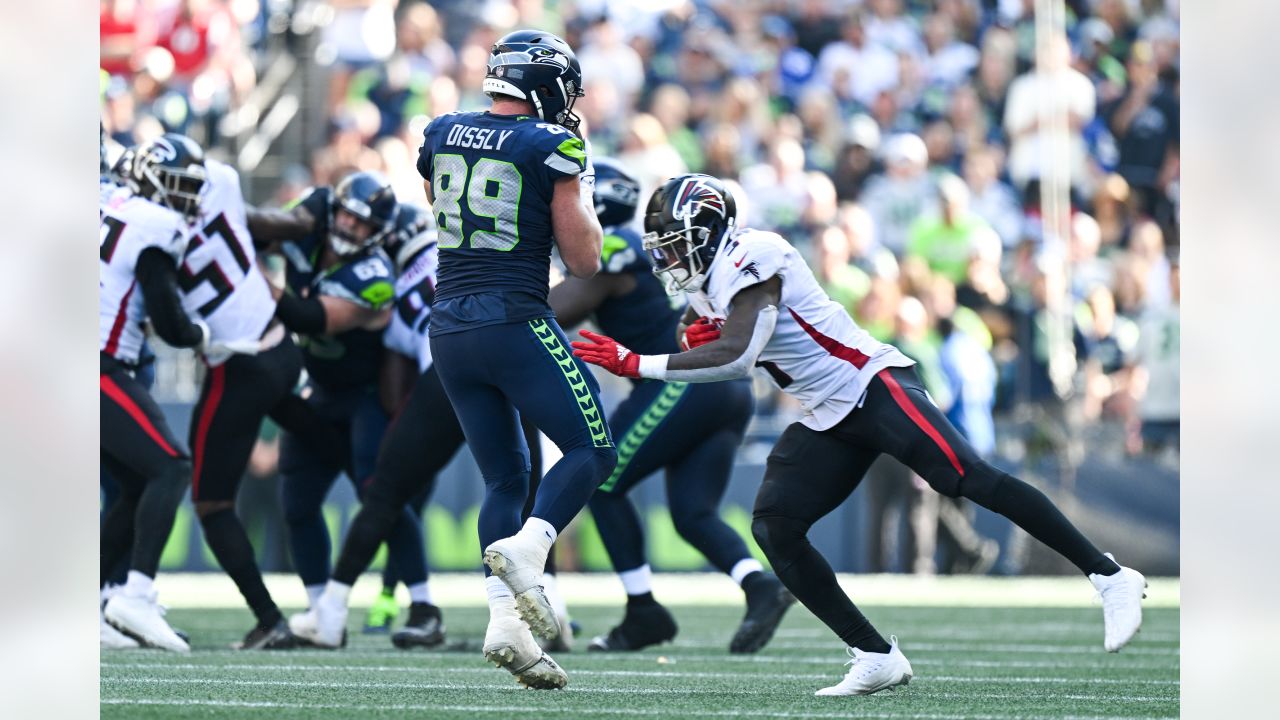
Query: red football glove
(701, 332)
(608, 354)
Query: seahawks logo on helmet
(695, 193)
(547, 56)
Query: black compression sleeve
(158, 276)
(301, 315)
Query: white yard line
(623, 673)
(522, 710)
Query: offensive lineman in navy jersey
(691, 431)
(340, 289)
(504, 185)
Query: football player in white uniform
(860, 397)
(144, 235)
(223, 285)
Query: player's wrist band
(653, 367)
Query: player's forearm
(158, 277)
(729, 358)
(268, 225)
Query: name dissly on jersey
(467, 136)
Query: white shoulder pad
(749, 258)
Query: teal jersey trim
(582, 392)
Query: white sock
(743, 568)
(139, 585)
(313, 594)
(540, 533)
(638, 581)
(552, 590)
(500, 597)
(420, 593)
(335, 591)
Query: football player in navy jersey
(691, 431)
(423, 437)
(505, 185)
(340, 287)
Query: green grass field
(1024, 658)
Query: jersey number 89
(492, 189)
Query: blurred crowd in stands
(897, 143)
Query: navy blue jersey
(492, 178)
(644, 319)
(352, 358)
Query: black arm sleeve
(304, 316)
(158, 276)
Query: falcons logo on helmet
(696, 193)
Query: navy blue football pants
(494, 375)
(692, 431)
(308, 476)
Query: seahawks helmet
(539, 67)
(169, 170)
(366, 196)
(617, 192)
(685, 225)
(414, 230)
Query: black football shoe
(642, 626)
(767, 601)
(424, 629)
(269, 637)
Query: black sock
(368, 530)
(153, 520)
(230, 545)
(641, 600)
(758, 583)
(1034, 512)
(866, 639)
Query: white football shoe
(1122, 596)
(872, 672)
(324, 624)
(509, 645)
(111, 638)
(519, 566)
(564, 641)
(143, 618)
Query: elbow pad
(305, 316)
(739, 367)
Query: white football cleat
(143, 618)
(111, 638)
(509, 645)
(324, 624)
(519, 566)
(872, 672)
(1122, 596)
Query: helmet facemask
(677, 258)
(179, 190)
(341, 239)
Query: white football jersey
(817, 353)
(219, 276)
(415, 288)
(130, 224)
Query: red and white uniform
(130, 224)
(817, 353)
(219, 275)
(415, 286)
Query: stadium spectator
(1145, 123)
(856, 161)
(990, 198)
(903, 193)
(1157, 375)
(857, 69)
(944, 239)
(1066, 90)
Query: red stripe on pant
(900, 397)
(217, 381)
(121, 398)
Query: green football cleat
(381, 614)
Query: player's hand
(607, 353)
(701, 332)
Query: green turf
(969, 662)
